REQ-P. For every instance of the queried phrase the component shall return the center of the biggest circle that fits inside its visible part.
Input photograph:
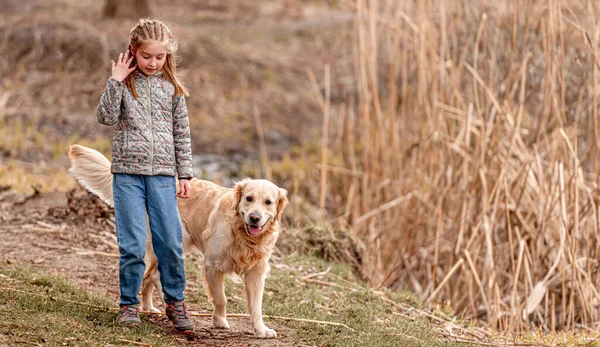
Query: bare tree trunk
(126, 8)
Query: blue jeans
(136, 195)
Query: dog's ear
(238, 192)
(281, 203)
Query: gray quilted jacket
(153, 132)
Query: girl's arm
(110, 102)
(182, 139)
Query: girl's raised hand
(121, 68)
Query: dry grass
(466, 159)
(39, 151)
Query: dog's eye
(268, 202)
(249, 198)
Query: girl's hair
(148, 30)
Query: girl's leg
(165, 225)
(130, 216)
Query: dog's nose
(254, 218)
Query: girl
(151, 145)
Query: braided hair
(146, 30)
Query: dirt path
(68, 236)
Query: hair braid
(147, 32)
(158, 32)
(154, 30)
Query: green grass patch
(336, 297)
(37, 308)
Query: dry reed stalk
(324, 146)
(445, 280)
(436, 246)
(382, 208)
(477, 280)
(479, 119)
(515, 307)
(595, 123)
(470, 295)
(264, 157)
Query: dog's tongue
(254, 229)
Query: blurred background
(447, 147)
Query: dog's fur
(235, 228)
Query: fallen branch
(83, 251)
(52, 298)
(329, 284)
(343, 279)
(49, 245)
(196, 314)
(27, 342)
(315, 274)
(507, 344)
(407, 336)
(311, 321)
(48, 225)
(135, 343)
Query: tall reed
(468, 156)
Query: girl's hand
(184, 191)
(121, 69)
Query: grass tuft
(37, 308)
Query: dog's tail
(92, 170)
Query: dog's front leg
(254, 280)
(216, 290)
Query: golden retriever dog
(235, 228)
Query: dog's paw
(150, 309)
(220, 322)
(265, 333)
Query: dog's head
(260, 203)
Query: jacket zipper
(150, 124)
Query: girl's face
(150, 57)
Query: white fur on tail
(92, 170)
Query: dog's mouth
(253, 229)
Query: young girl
(151, 145)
